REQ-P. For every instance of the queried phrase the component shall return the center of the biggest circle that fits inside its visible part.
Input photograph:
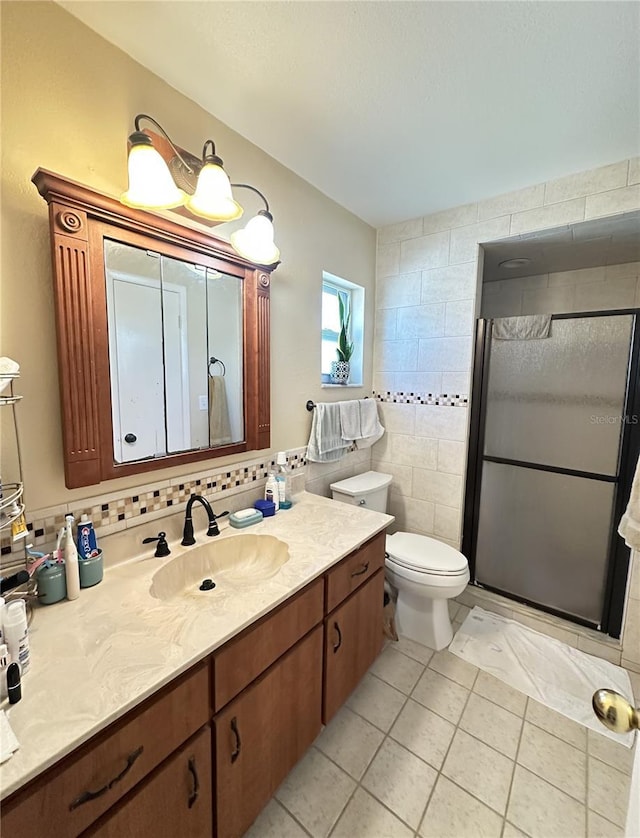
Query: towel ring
(213, 360)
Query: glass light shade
(212, 198)
(150, 183)
(255, 241)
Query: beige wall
(68, 102)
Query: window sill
(340, 386)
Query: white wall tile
(457, 282)
(456, 383)
(610, 203)
(414, 451)
(451, 456)
(412, 515)
(450, 218)
(419, 382)
(464, 240)
(388, 260)
(553, 215)
(614, 293)
(459, 317)
(397, 355)
(507, 304)
(626, 269)
(426, 252)
(586, 183)
(421, 321)
(402, 483)
(385, 324)
(634, 171)
(444, 354)
(437, 487)
(574, 277)
(402, 290)
(398, 418)
(549, 300)
(401, 231)
(446, 523)
(522, 199)
(384, 382)
(439, 422)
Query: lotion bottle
(16, 633)
(271, 490)
(72, 571)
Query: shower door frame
(618, 554)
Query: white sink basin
(237, 561)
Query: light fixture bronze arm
(146, 116)
(253, 189)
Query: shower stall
(554, 440)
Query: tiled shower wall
(589, 289)
(427, 297)
(426, 300)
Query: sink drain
(207, 585)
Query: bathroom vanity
(205, 750)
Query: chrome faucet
(187, 533)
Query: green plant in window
(345, 347)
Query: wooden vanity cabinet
(263, 732)
(205, 754)
(175, 800)
(353, 640)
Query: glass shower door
(553, 425)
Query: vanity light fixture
(155, 181)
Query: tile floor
(429, 746)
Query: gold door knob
(614, 711)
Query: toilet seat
(421, 554)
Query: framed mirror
(163, 338)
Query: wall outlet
(203, 403)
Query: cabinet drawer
(242, 660)
(353, 571)
(175, 800)
(353, 639)
(118, 757)
(261, 735)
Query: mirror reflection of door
(167, 317)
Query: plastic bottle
(71, 569)
(16, 633)
(4, 662)
(87, 543)
(271, 490)
(283, 482)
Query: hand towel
(529, 327)
(219, 424)
(325, 440)
(629, 527)
(359, 419)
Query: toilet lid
(419, 552)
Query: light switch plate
(203, 402)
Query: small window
(334, 292)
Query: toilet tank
(368, 490)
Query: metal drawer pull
(339, 644)
(86, 796)
(196, 782)
(363, 569)
(236, 751)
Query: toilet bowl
(424, 571)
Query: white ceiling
(397, 109)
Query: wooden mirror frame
(80, 218)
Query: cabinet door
(353, 639)
(261, 735)
(176, 800)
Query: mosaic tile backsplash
(442, 399)
(110, 513)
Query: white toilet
(425, 572)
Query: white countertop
(94, 659)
